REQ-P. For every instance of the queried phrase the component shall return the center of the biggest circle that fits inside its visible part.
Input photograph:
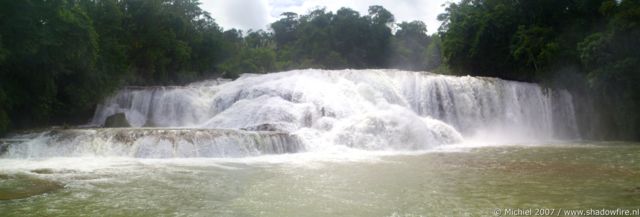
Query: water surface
(451, 181)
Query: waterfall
(313, 109)
(154, 143)
(491, 106)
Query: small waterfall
(154, 143)
(311, 109)
(477, 105)
(160, 106)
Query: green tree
(52, 56)
(613, 63)
(433, 53)
(534, 48)
(322, 39)
(65, 55)
(409, 46)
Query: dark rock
(117, 120)
(262, 127)
(149, 123)
(3, 147)
(42, 171)
(48, 171)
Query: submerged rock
(635, 190)
(43, 171)
(117, 120)
(23, 186)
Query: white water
(384, 110)
(155, 143)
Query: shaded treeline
(59, 58)
(591, 47)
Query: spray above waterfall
(361, 109)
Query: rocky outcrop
(117, 120)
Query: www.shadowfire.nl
(601, 212)
(567, 212)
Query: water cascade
(311, 110)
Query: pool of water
(458, 181)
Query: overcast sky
(258, 14)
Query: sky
(258, 14)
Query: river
(456, 181)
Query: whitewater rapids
(313, 110)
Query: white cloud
(240, 14)
(258, 14)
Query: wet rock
(149, 123)
(117, 120)
(23, 186)
(48, 171)
(3, 147)
(42, 171)
(262, 127)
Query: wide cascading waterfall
(313, 110)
